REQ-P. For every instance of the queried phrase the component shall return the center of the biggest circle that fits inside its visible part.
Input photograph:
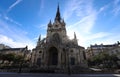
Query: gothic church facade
(57, 50)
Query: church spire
(75, 39)
(39, 38)
(49, 24)
(75, 36)
(58, 17)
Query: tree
(18, 58)
(107, 61)
(10, 57)
(2, 57)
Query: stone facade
(18, 51)
(94, 50)
(2, 46)
(57, 50)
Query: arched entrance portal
(53, 56)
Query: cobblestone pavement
(55, 75)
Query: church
(56, 50)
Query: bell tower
(58, 26)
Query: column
(59, 58)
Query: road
(55, 75)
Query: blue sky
(94, 21)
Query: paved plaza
(55, 75)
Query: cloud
(97, 35)
(109, 39)
(103, 8)
(6, 40)
(41, 7)
(42, 4)
(11, 34)
(14, 36)
(85, 39)
(71, 7)
(42, 36)
(86, 23)
(4, 15)
(116, 9)
(84, 12)
(86, 15)
(13, 5)
(42, 26)
(11, 20)
(116, 2)
(10, 42)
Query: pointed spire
(58, 17)
(50, 23)
(39, 38)
(26, 47)
(75, 36)
(63, 21)
(75, 39)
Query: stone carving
(56, 38)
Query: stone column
(78, 54)
(59, 58)
(45, 58)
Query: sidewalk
(6, 74)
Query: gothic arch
(53, 56)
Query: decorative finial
(75, 36)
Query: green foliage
(104, 59)
(11, 57)
(11, 60)
(18, 59)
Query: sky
(93, 21)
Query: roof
(104, 45)
(12, 49)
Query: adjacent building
(17, 51)
(2, 46)
(94, 50)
